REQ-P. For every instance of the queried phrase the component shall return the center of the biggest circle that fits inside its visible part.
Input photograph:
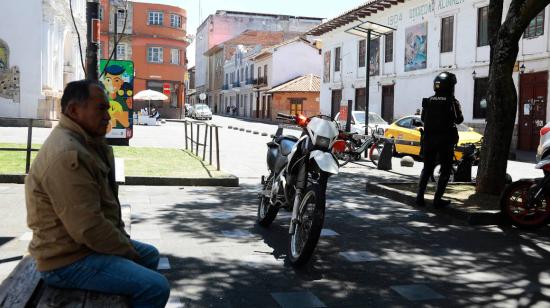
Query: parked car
(406, 132)
(188, 109)
(358, 122)
(201, 112)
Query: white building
(430, 37)
(39, 54)
(278, 64)
(224, 25)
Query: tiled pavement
(216, 256)
(374, 252)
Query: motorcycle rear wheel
(310, 222)
(514, 209)
(267, 211)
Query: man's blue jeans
(117, 275)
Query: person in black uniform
(440, 114)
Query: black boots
(441, 186)
(422, 188)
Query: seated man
(73, 208)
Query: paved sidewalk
(374, 252)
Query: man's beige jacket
(72, 200)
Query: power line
(78, 36)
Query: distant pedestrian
(417, 112)
(440, 114)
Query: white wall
(23, 36)
(411, 86)
(294, 60)
(36, 38)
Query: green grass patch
(161, 162)
(138, 161)
(12, 162)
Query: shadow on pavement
(468, 266)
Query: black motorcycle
(298, 172)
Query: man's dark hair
(76, 91)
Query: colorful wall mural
(416, 47)
(374, 60)
(118, 83)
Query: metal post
(197, 141)
(210, 161)
(92, 37)
(217, 149)
(29, 147)
(185, 123)
(367, 85)
(191, 148)
(349, 115)
(115, 33)
(204, 144)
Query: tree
(501, 93)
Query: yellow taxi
(406, 135)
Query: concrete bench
(25, 288)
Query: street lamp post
(368, 30)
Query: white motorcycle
(298, 172)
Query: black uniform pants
(441, 152)
(436, 150)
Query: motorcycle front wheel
(267, 211)
(515, 209)
(309, 223)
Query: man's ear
(72, 110)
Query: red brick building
(297, 96)
(154, 37)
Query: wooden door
(335, 102)
(532, 109)
(387, 103)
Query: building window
(362, 50)
(101, 12)
(175, 56)
(536, 27)
(154, 54)
(480, 97)
(265, 74)
(121, 15)
(175, 21)
(483, 26)
(296, 106)
(155, 18)
(388, 48)
(252, 71)
(337, 59)
(447, 27)
(121, 51)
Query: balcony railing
(225, 87)
(236, 84)
(262, 81)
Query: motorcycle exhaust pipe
(295, 209)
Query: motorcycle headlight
(322, 142)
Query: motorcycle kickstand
(295, 209)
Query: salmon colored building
(154, 38)
(297, 96)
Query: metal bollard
(384, 162)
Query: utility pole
(92, 39)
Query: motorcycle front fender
(325, 161)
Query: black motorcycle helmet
(444, 84)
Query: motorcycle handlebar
(285, 116)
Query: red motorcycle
(526, 203)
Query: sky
(308, 8)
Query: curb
(487, 217)
(229, 181)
